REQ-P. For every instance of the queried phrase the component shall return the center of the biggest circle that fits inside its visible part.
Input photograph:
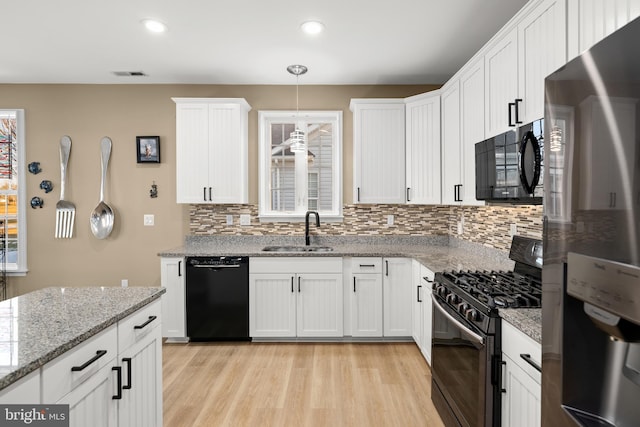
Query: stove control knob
(441, 291)
(472, 315)
(453, 298)
(463, 307)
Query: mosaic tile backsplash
(487, 225)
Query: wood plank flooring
(296, 384)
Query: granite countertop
(527, 320)
(39, 326)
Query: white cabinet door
(24, 391)
(211, 150)
(521, 401)
(378, 150)
(272, 305)
(140, 358)
(418, 322)
(589, 21)
(472, 122)
(542, 40)
(609, 153)
(501, 84)
(451, 152)
(427, 312)
(398, 289)
(94, 402)
(423, 149)
(192, 152)
(319, 305)
(366, 306)
(173, 301)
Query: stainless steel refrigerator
(591, 273)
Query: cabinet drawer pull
(128, 362)
(367, 265)
(179, 268)
(527, 358)
(98, 355)
(408, 197)
(118, 370)
(354, 284)
(151, 319)
(298, 284)
(387, 268)
(418, 293)
(291, 284)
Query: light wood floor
(297, 384)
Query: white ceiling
(244, 41)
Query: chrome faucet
(307, 240)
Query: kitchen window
(293, 182)
(13, 230)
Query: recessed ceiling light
(154, 26)
(312, 27)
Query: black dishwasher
(217, 298)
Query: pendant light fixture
(297, 137)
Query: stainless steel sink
(297, 249)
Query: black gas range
(466, 340)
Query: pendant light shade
(297, 137)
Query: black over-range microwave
(509, 166)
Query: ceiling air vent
(129, 73)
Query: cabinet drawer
(366, 265)
(515, 343)
(137, 325)
(58, 378)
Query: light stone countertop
(41, 325)
(527, 320)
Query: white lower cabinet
(365, 290)
(114, 378)
(397, 285)
(422, 309)
(295, 297)
(25, 390)
(172, 275)
(521, 379)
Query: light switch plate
(389, 219)
(513, 230)
(245, 219)
(229, 219)
(149, 220)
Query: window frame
(265, 118)
(19, 268)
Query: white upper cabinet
(423, 149)
(451, 148)
(516, 62)
(378, 150)
(589, 21)
(211, 150)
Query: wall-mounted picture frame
(148, 149)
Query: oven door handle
(474, 337)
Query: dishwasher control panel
(216, 261)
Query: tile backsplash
(488, 225)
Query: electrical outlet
(513, 230)
(460, 227)
(149, 220)
(229, 219)
(389, 219)
(245, 219)
(125, 283)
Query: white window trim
(20, 268)
(264, 162)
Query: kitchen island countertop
(41, 325)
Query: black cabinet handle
(209, 193)
(408, 197)
(179, 268)
(128, 362)
(98, 355)
(151, 319)
(511, 104)
(204, 194)
(418, 293)
(291, 284)
(458, 193)
(298, 283)
(354, 284)
(118, 370)
(518, 101)
(527, 358)
(367, 265)
(387, 267)
(358, 192)
(502, 365)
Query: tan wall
(87, 113)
